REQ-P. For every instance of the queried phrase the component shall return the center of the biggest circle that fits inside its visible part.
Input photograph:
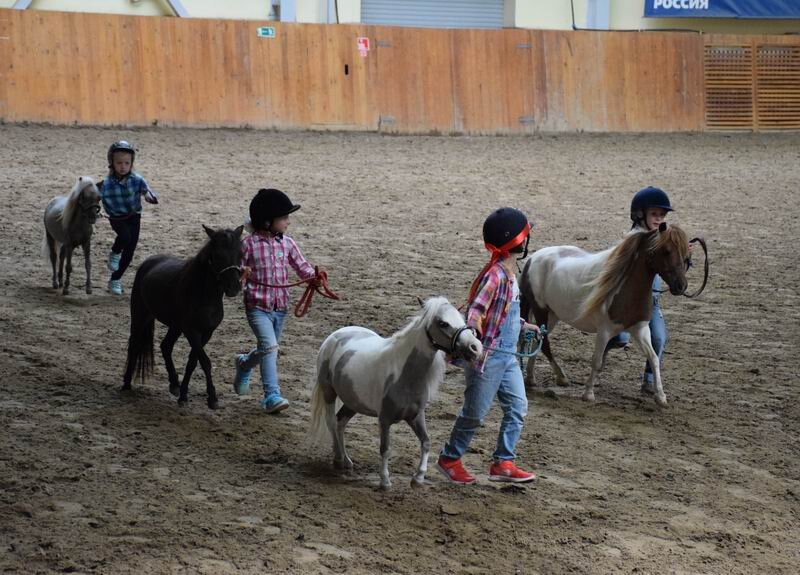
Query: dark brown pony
(186, 296)
(604, 293)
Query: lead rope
(318, 284)
(527, 345)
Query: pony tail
(318, 431)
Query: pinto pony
(68, 223)
(392, 378)
(186, 296)
(604, 293)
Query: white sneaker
(113, 261)
(115, 287)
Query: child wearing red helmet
(267, 254)
(493, 312)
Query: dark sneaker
(507, 471)
(454, 470)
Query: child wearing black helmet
(494, 314)
(121, 192)
(649, 208)
(267, 254)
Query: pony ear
(208, 230)
(421, 303)
(662, 227)
(239, 231)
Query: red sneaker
(507, 471)
(454, 470)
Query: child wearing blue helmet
(121, 192)
(649, 209)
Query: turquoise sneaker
(274, 403)
(241, 382)
(113, 261)
(115, 287)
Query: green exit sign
(266, 32)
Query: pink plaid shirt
(268, 258)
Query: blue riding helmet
(120, 146)
(649, 197)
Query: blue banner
(748, 9)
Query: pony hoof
(215, 405)
(65, 291)
(89, 290)
(386, 486)
(562, 382)
(183, 402)
(588, 397)
(343, 465)
(661, 400)
(175, 389)
(417, 482)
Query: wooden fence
(99, 69)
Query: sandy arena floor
(96, 481)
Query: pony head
(223, 252)
(447, 331)
(83, 201)
(668, 254)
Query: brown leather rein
(702, 242)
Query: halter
(223, 270)
(453, 340)
(689, 264)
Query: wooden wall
(101, 69)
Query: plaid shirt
(488, 309)
(123, 197)
(268, 258)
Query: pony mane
(429, 309)
(622, 258)
(436, 372)
(70, 209)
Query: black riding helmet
(268, 204)
(505, 230)
(120, 146)
(649, 197)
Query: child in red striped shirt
(267, 254)
(494, 314)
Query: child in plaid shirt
(121, 193)
(267, 254)
(494, 314)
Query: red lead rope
(319, 284)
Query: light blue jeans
(502, 378)
(267, 326)
(658, 333)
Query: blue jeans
(267, 326)
(658, 334)
(501, 377)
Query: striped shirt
(488, 309)
(123, 197)
(269, 259)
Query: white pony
(604, 293)
(69, 223)
(392, 378)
